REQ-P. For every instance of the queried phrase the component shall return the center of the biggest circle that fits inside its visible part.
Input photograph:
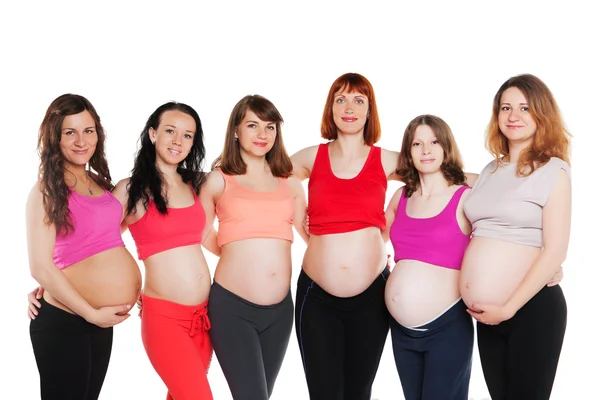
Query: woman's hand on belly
(490, 314)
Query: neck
(432, 184)
(255, 165)
(168, 172)
(76, 173)
(349, 144)
(515, 149)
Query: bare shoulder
(471, 178)
(214, 183)
(295, 185)
(35, 198)
(389, 160)
(120, 191)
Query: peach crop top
(244, 213)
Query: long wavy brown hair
(452, 166)
(230, 161)
(51, 174)
(551, 138)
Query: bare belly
(179, 275)
(417, 292)
(345, 264)
(109, 278)
(257, 270)
(492, 269)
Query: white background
(445, 58)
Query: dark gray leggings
(250, 341)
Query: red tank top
(155, 232)
(344, 205)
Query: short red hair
(352, 82)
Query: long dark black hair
(146, 181)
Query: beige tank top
(505, 206)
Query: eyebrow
(521, 104)
(256, 122)
(358, 95)
(73, 129)
(173, 126)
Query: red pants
(176, 340)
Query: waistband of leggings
(380, 280)
(51, 316)
(172, 309)
(218, 290)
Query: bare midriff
(417, 292)
(492, 269)
(258, 270)
(109, 278)
(345, 264)
(179, 275)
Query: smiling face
(514, 119)
(174, 137)
(350, 112)
(255, 136)
(78, 139)
(426, 151)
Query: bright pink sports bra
(96, 228)
(437, 240)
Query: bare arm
(120, 193)
(556, 222)
(210, 192)
(389, 160)
(390, 214)
(41, 238)
(299, 207)
(303, 162)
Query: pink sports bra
(437, 240)
(96, 228)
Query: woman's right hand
(105, 317)
(33, 303)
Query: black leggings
(341, 339)
(72, 355)
(519, 357)
(249, 340)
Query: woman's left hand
(490, 314)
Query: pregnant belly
(492, 269)
(417, 292)
(109, 278)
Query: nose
(514, 115)
(79, 140)
(262, 133)
(177, 139)
(425, 149)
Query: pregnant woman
(432, 334)
(76, 253)
(520, 209)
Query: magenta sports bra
(437, 240)
(96, 228)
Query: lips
(427, 160)
(260, 144)
(80, 151)
(174, 152)
(349, 119)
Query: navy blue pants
(341, 339)
(519, 357)
(434, 360)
